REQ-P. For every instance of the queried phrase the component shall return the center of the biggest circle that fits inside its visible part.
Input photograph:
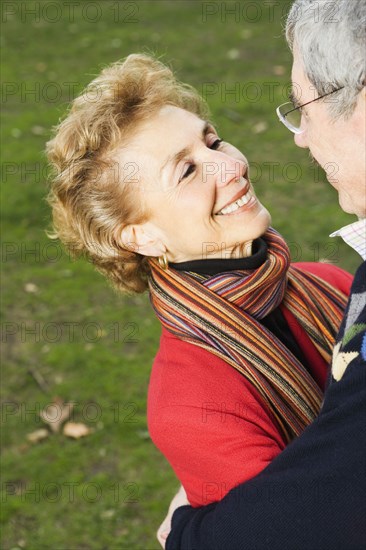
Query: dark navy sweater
(313, 495)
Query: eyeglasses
(291, 116)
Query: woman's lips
(241, 199)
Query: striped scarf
(220, 313)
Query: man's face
(339, 146)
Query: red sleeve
(208, 421)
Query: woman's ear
(143, 239)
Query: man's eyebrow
(294, 99)
(180, 155)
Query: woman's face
(195, 189)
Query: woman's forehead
(169, 118)
(162, 136)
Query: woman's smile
(199, 186)
(240, 203)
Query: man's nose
(300, 140)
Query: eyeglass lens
(292, 117)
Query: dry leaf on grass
(31, 287)
(38, 435)
(233, 54)
(76, 430)
(279, 70)
(260, 127)
(55, 414)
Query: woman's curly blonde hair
(90, 205)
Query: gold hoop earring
(163, 262)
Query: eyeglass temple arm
(316, 99)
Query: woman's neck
(212, 266)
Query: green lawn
(66, 333)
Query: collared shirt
(354, 235)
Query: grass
(111, 489)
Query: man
(313, 495)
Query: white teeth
(237, 204)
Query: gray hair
(330, 38)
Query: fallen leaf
(38, 435)
(38, 130)
(31, 287)
(107, 514)
(233, 54)
(279, 70)
(55, 414)
(76, 430)
(260, 127)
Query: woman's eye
(191, 168)
(216, 144)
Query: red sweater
(208, 420)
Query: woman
(146, 188)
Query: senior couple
(267, 440)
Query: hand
(180, 499)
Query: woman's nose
(229, 169)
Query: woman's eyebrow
(186, 151)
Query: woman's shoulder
(330, 273)
(189, 383)
(192, 374)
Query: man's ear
(142, 238)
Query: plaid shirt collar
(354, 234)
